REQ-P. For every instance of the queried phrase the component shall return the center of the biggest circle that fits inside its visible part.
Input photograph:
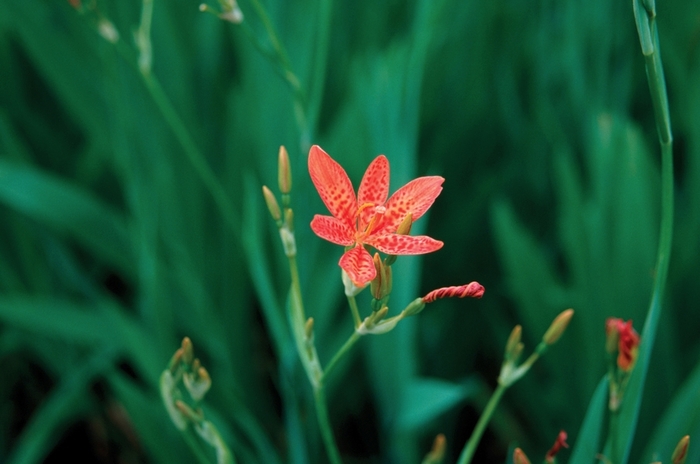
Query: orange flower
(369, 219)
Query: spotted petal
(358, 264)
(333, 230)
(374, 188)
(393, 244)
(415, 198)
(333, 185)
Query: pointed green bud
(272, 204)
(284, 173)
(414, 307)
(187, 351)
(558, 326)
(513, 346)
(681, 451)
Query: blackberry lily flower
(369, 219)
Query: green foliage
(131, 216)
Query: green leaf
(62, 405)
(588, 441)
(682, 417)
(67, 209)
(425, 399)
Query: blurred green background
(131, 216)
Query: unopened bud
(414, 307)
(513, 347)
(681, 451)
(197, 383)
(519, 457)
(558, 326)
(188, 412)
(272, 204)
(405, 226)
(559, 443)
(472, 289)
(108, 31)
(309, 328)
(284, 173)
(187, 351)
(437, 453)
(380, 287)
(175, 360)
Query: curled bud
(272, 204)
(519, 457)
(559, 443)
(558, 326)
(681, 451)
(473, 290)
(284, 173)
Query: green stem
(470, 447)
(355, 311)
(195, 445)
(325, 425)
(309, 359)
(186, 141)
(341, 352)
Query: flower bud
(437, 453)
(473, 289)
(559, 443)
(558, 326)
(519, 457)
(514, 347)
(284, 173)
(380, 287)
(681, 451)
(272, 204)
(414, 307)
(187, 351)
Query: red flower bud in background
(623, 335)
(558, 444)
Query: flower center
(377, 213)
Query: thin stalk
(341, 352)
(186, 141)
(355, 311)
(195, 445)
(325, 425)
(309, 359)
(471, 445)
(645, 19)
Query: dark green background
(125, 227)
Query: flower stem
(355, 311)
(309, 359)
(341, 352)
(325, 425)
(470, 447)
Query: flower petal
(394, 244)
(358, 264)
(415, 198)
(333, 230)
(374, 188)
(333, 185)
